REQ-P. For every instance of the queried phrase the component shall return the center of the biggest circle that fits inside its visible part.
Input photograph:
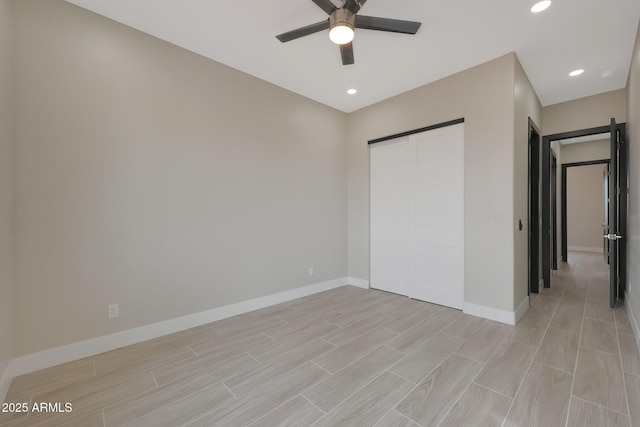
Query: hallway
(591, 343)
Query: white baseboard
(361, 283)
(68, 353)
(522, 309)
(594, 249)
(502, 316)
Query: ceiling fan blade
(304, 31)
(346, 50)
(385, 24)
(354, 5)
(325, 5)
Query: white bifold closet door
(417, 216)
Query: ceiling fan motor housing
(342, 17)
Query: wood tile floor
(359, 357)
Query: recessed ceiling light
(540, 6)
(576, 73)
(352, 91)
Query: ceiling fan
(343, 21)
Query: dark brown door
(617, 213)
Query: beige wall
(483, 96)
(586, 151)
(633, 241)
(584, 113)
(6, 263)
(154, 178)
(585, 207)
(527, 105)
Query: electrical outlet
(310, 271)
(114, 311)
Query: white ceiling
(455, 35)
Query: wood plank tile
(87, 404)
(432, 399)
(464, 326)
(622, 321)
(246, 381)
(478, 406)
(574, 296)
(484, 341)
(298, 412)
(632, 387)
(25, 386)
(92, 420)
(369, 404)
(599, 379)
(506, 369)
(355, 329)
(92, 385)
(559, 349)
(544, 305)
(417, 365)
(543, 399)
(248, 324)
(598, 291)
(308, 315)
(417, 335)
(180, 339)
(530, 329)
(169, 372)
(143, 359)
(583, 413)
(447, 314)
(555, 291)
(179, 412)
(630, 357)
(342, 356)
(282, 331)
(395, 419)
(335, 389)
(599, 310)
(568, 317)
(152, 400)
(352, 315)
(243, 342)
(271, 351)
(264, 398)
(599, 335)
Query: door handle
(612, 237)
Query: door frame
(533, 215)
(546, 196)
(563, 208)
(554, 210)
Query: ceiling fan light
(341, 34)
(342, 23)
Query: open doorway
(584, 207)
(581, 148)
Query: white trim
(68, 353)
(593, 249)
(360, 283)
(522, 309)
(502, 316)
